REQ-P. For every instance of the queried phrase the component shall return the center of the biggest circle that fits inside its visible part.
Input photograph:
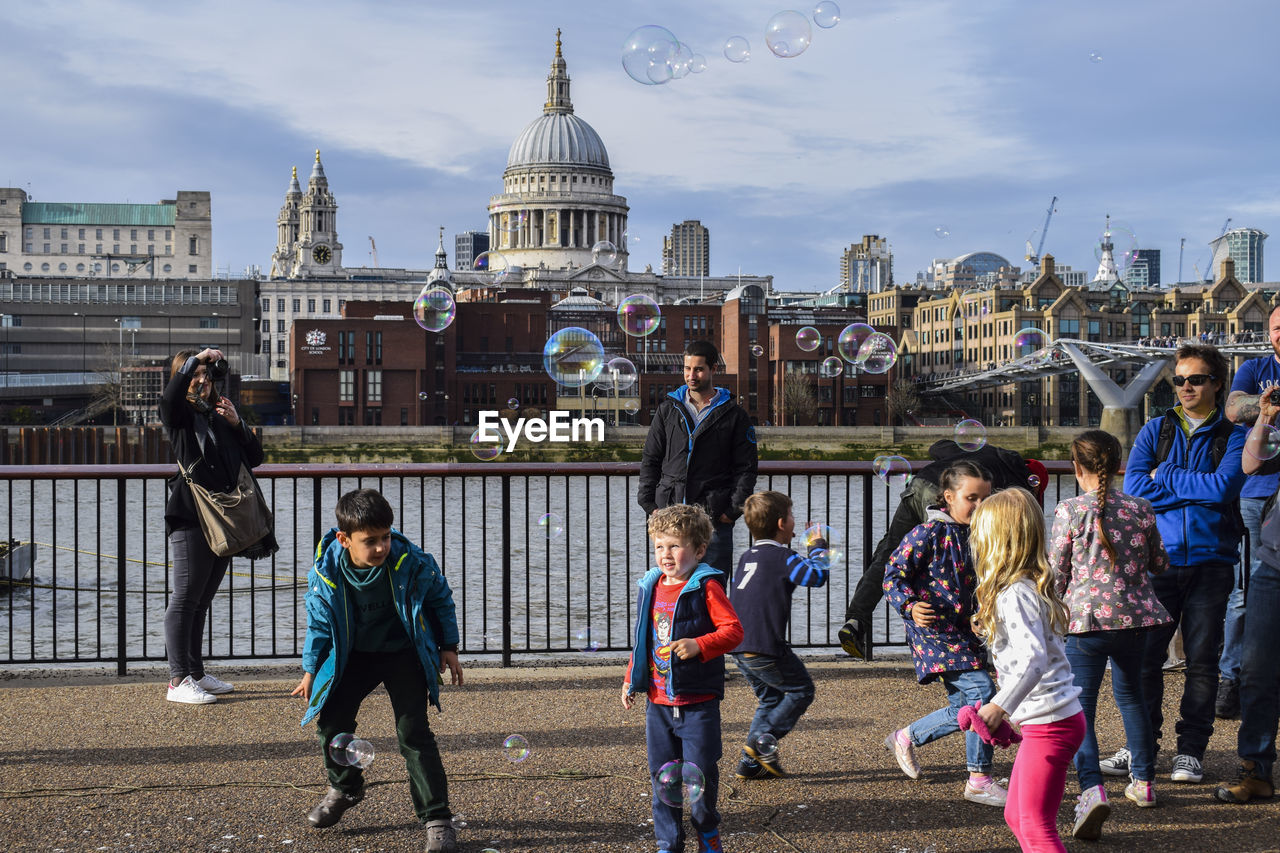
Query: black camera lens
(1273, 396)
(218, 369)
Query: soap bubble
(808, 338)
(631, 404)
(512, 223)
(585, 641)
(551, 525)
(765, 746)
(350, 751)
(1029, 340)
(1033, 480)
(338, 748)
(851, 338)
(788, 34)
(604, 253)
(970, 434)
(815, 533)
(698, 63)
(1124, 246)
(941, 231)
(681, 61)
(647, 54)
(757, 350)
(892, 470)
(434, 309)
(826, 14)
(737, 49)
(485, 449)
(620, 374)
(516, 748)
(513, 403)
(831, 367)
(679, 783)
(493, 263)
(877, 354)
(1095, 57)
(573, 357)
(423, 395)
(1270, 446)
(639, 315)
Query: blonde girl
(1022, 620)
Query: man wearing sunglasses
(1193, 490)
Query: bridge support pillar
(1121, 407)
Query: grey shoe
(441, 837)
(1116, 765)
(329, 810)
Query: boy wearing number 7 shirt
(767, 575)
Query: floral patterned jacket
(933, 564)
(1100, 596)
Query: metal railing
(542, 558)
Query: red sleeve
(728, 633)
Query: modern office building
(687, 249)
(1244, 246)
(468, 246)
(1144, 271)
(867, 267)
(166, 240)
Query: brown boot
(1249, 784)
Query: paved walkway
(103, 764)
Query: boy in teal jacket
(379, 611)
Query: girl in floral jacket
(930, 581)
(1103, 546)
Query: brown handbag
(232, 521)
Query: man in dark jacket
(701, 449)
(1007, 469)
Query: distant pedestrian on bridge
(701, 449)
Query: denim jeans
(1233, 629)
(1260, 671)
(784, 690)
(1088, 655)
(720, 552)
(689, 733)
(1196, 598)
(963, 688)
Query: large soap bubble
(788, 34)
(877, 354)
(649, 53)
(638, 315)
(434, 309)
(737, 49)
(680, 783)
(573, 357)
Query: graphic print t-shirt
(662, 616)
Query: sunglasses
(1196, 379)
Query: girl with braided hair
(1104, 544)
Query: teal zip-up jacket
(422, 597)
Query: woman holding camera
(210, 442)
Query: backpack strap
(1164, 443)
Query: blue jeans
(720, 552)
(963, 688)
(784, 690)
(689, 733)
(1088, 655)
(1196, 598)
(1233, 629)
(1260, 671)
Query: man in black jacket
(701, 449)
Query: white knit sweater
(1034, 677)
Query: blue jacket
(691, 619)
(1194, 502)
(423, 601)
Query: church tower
(287, 224)
(317, 251)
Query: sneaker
(441, 837)
(1141, 792)
(329, 810)
(1249, 784)
(214, 685)
(899, 743)
(770, 763)
(190, 693)
(1227, 706)
(709, 842)
(749, 769)
(1092, 810)
(989, 793)
(853, 640)
(1186, 768)
(1116, 765)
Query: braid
(1103, 491)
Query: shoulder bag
(232, 521)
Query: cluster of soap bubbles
(434, 309)
(653, 55)
(680, 783)
(892, 470)
(351, 751)
(872, 351)
(816, 533)
(516, 748)
(970, 435)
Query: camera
(1273, 396)
(218, 369)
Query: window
(346, 385)
(191, 268)
(373, 347)
(266, 305)
(97, 233)
(373, 386)
(4, 242)
(280, 325)
(79, 248)
(115, 233)
(280, 347)
(133, 233)
(311, 306)
(46, 248)
(280, 305)
(328, 303)
(47, 234)
(193, 246)
(297, 305)
(151, 234)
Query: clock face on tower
(321, 254)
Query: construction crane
(373, 250)
(1033, 258)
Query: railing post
(317, 530)
(867, 544)
(122, 541)
(506, 569)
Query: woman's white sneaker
(213, 684)
(190, 693)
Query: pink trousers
(1038, 779)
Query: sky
(944, 126)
